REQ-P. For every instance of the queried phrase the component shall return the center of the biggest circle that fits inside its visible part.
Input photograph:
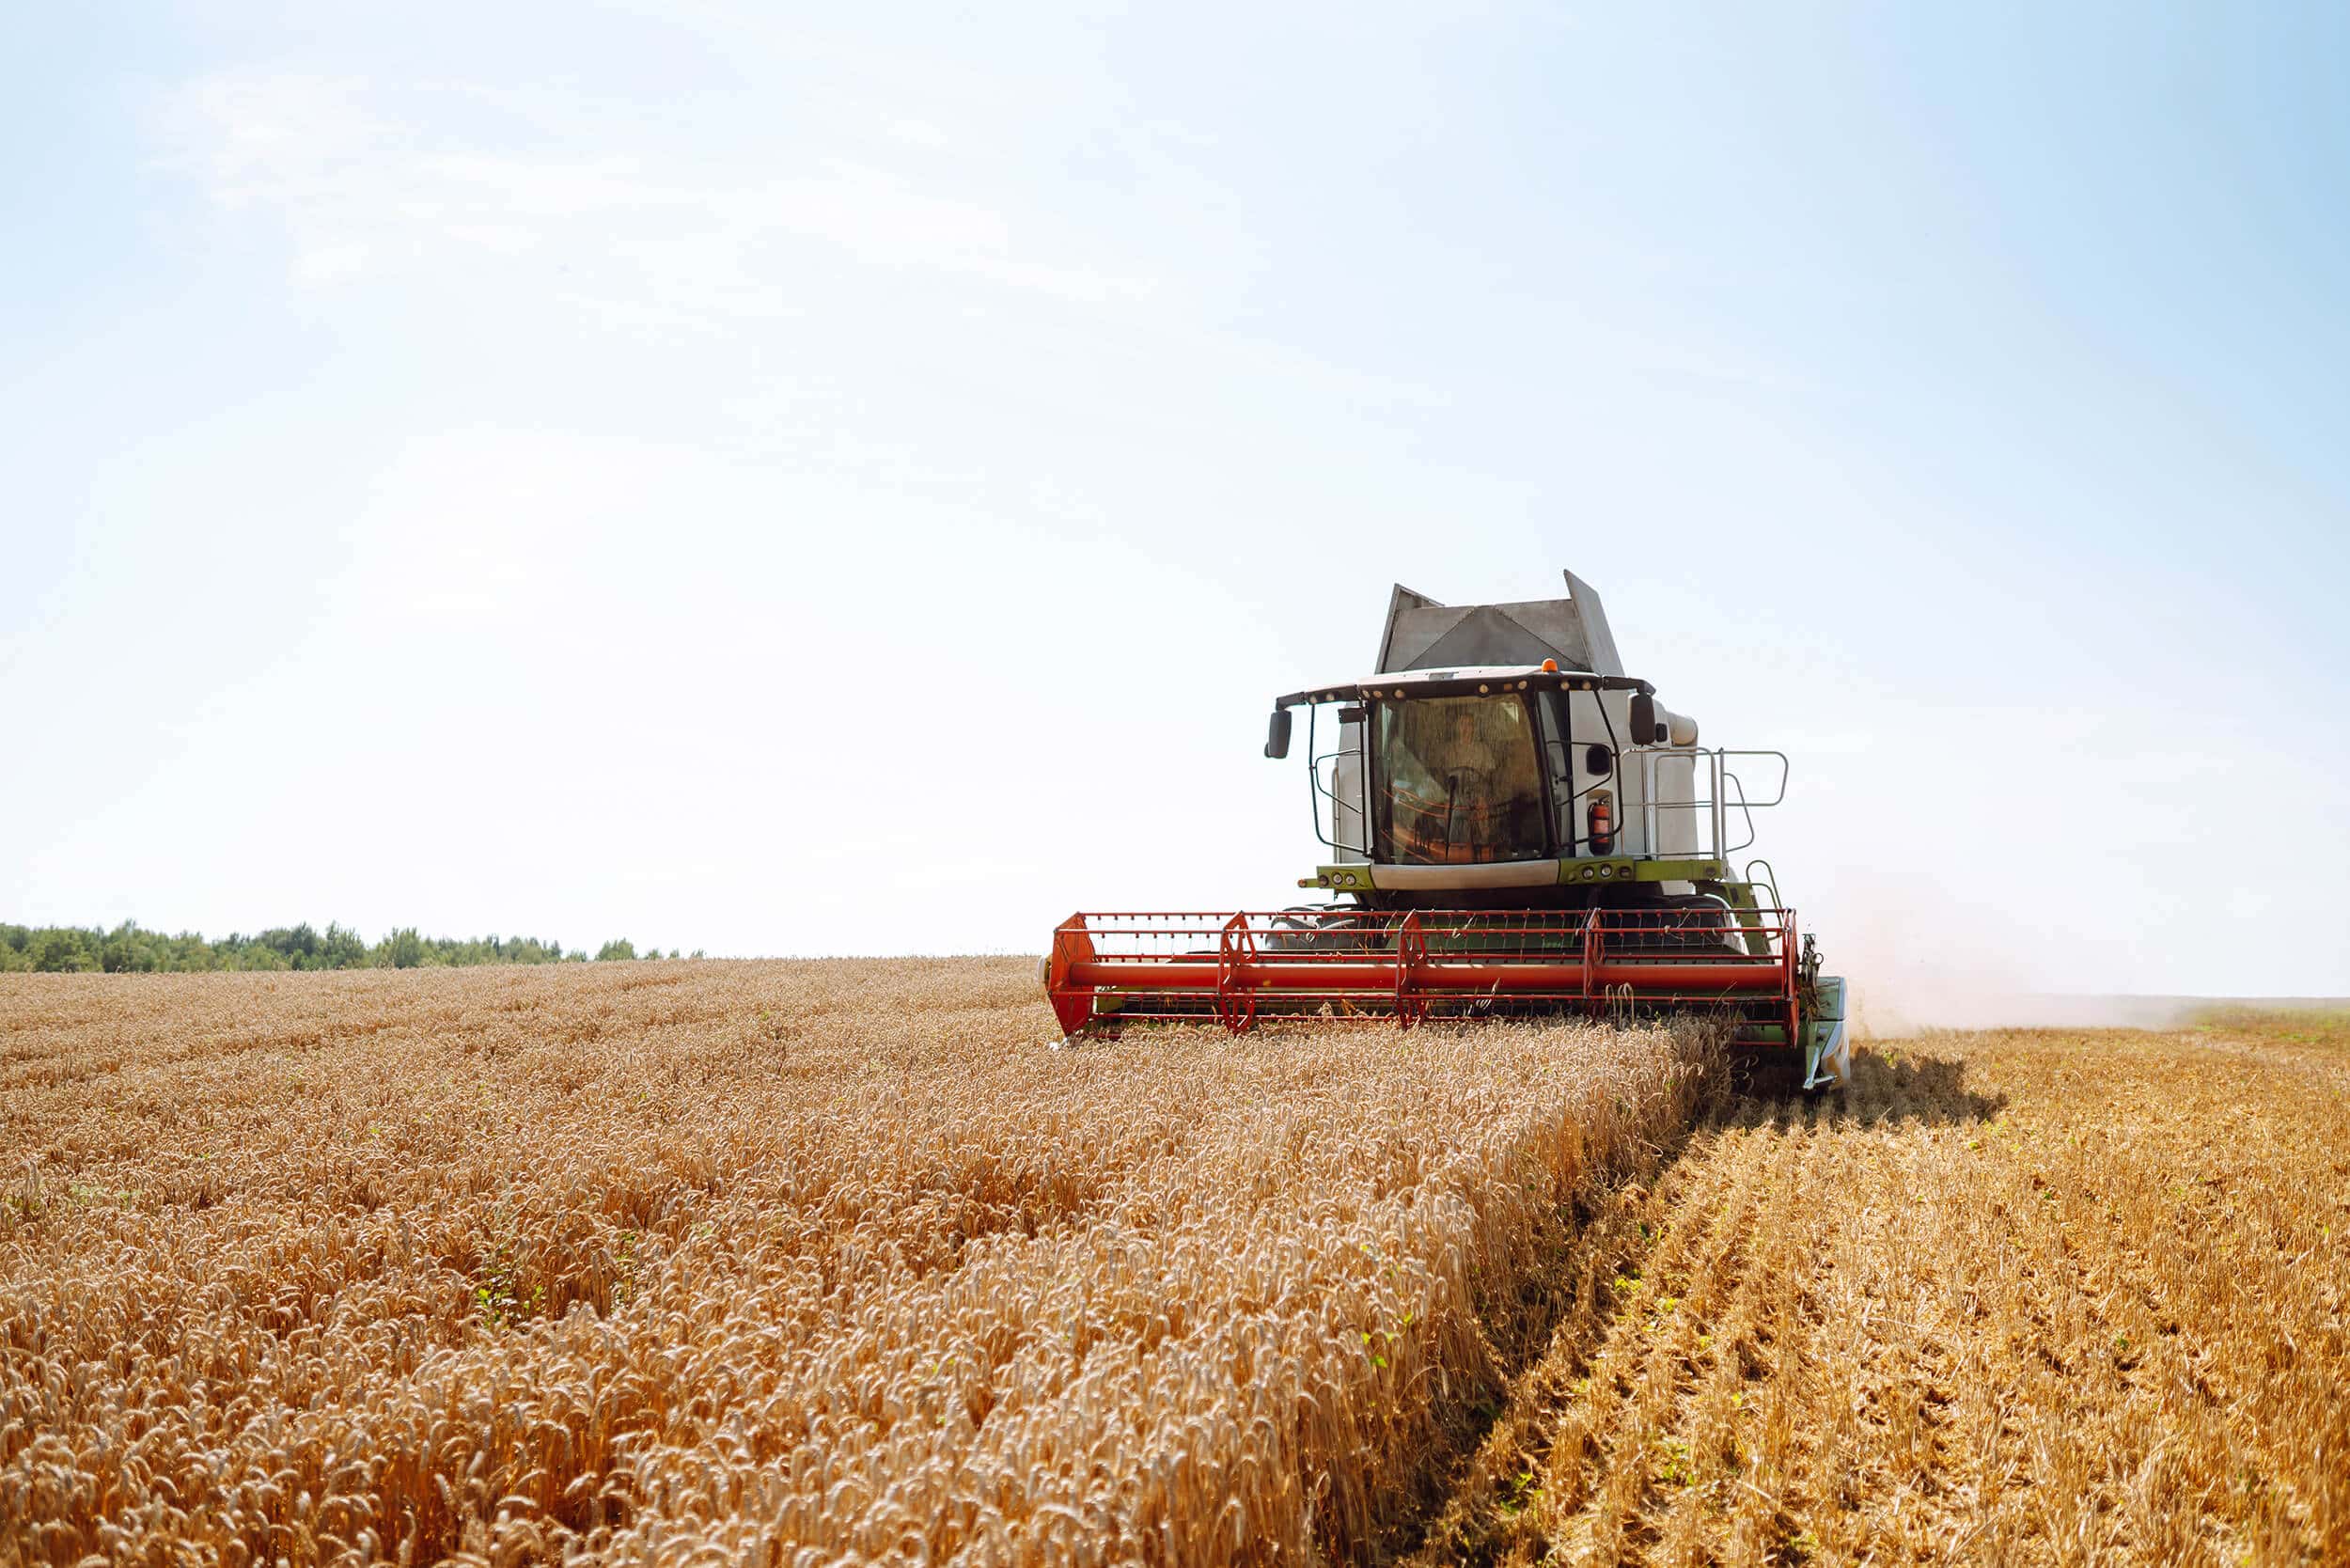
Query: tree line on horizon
(130, 948)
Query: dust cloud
(1919, 962)
(1889, 1006)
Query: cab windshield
(1457, 780)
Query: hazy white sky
(850, 481)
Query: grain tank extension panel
(1424, 635)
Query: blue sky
(848, 480)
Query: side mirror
(1644, 723)
(1276, 735)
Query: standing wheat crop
(780, 1261)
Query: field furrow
(2019, 1297)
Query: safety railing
(1718, 803)
(1341, 808)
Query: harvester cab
(1512, 826)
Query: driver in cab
(1467, 798)
(1469, 751)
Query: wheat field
(781, 1263)
(819, 1263)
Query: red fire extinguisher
(1600, 820)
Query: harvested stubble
(2028, 1296)
(780, 1261)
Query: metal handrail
(1784, 767)
(1732, 781)
(1721, 782)
(1650, 807)
(1339, 803)
(1319, 791)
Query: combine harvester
(1516, 829)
